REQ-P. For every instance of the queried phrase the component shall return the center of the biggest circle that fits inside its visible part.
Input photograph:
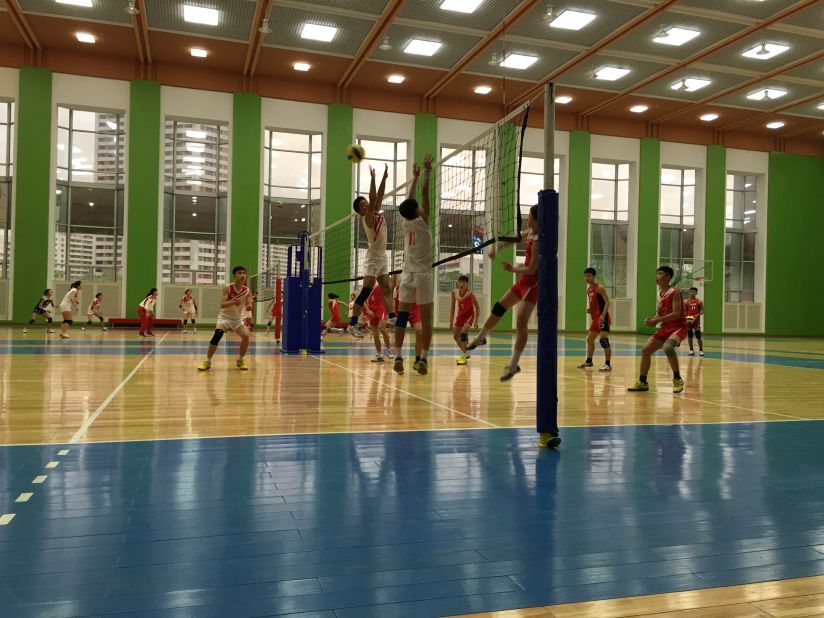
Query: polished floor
(328, 486)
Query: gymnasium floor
(329, 487)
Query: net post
(548, 220)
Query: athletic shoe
(354, 331)
(378, 358)
(64, 335)
(606, 368)
(398, 365)
(391, 322)
(461, 360)
(477, 342)
(701, 353)
(639, 387)
(150, 334)
(585, 365)
(51, 331)
(677, 385)
(184, 331)
(547, 440)
(510, 372)
(277, 341)
(140, 335)
(422, 367)
(415, 365)
(241, 364)
(691, 353)
(194, 330)
(82, 328)
(25, 330)
(205, 366)
(105, 330)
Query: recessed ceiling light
(563, 100)
(317, 32)
(709, 117)
(638, 109)
(766, 93)
(518, 61)
(395, 79)
(610, 74)
(675, 36)
(775, 125)
(84, 3)
(198, 52)
(483, 90)
(765, 51)
(821, 106)
(200, 15)
(85, 37)
(422, 48)
(301, 66)
(461, 6)
(691, 84)
(572, 20)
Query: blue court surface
(424, 523)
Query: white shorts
(227, 325)
(416, 288)
(376, 266)
(189, 314)
(66, 308)
(247, 315)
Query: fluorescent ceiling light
(483, 90)
(85, 3)
(85, 37)
(766, 93)
(422, 48)
(572, 20)
(691, 84)
(610, 74)
(461, 6)
(775, 125)
(765, 51)
(709, 117)
(301, 66)
(196, 134)
(198, 52)
(518, 61)
(563, 100)
(638, 109)
(317, 32)
(676, 36)
(200, 15)
(395, 79)
(821, 106)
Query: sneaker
(150, 334)
(277, 341)
(82, 328)
(701, 353)
(51, 331)
(205, 366)
(585, 365)
(691, 353)
(391, 322)
(354, 331)
(140, 335)
(461, 360)
(477, 342)
(378, 358)
(194, 330)
(25, 330)
(241, 364)
(510, 373)
(547, 440)
(415, 365)
(398, 365)
(105, 330)
(184, 331)
(64, 335)
(605, 368)
(422, 367)
(677, 385)
(639, 387)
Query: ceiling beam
(707, 51)
(391, 11)
(141, 35)
(23, 26)
(255, 41)
(772, 112)
(750, 82)
(583, 56)
(510, 20)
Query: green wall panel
(143, 209)
(649, 186)
(32, 193)
(715, 222)
(577, 240)
(426, 143)
(339, 196)
(246, 183)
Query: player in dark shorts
(44, 308)
(695, 309)
(600, 321)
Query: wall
(9, 81)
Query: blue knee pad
(216, 337)
(402, 319)
(698, 334)
(604, 341)
(464, 337)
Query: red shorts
(463, 319)
(376, 319)
(595, 324)
(668, 330)
(526, 290)
(414, 314)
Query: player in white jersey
(146, 313)
(376, 265)
(95, 311)
(68, 306)
(189, 308)
(416, 279)
(233, 302)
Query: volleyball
(690, 319)
(355, 153)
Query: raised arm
(427, 171)
(413, 187)
(377, 201)
(529, 269)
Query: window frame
(735, 269)
(681, 227)
(8, 181)
(608, 264)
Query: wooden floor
(114, 387)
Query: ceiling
(352, 67)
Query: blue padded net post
(547, 387)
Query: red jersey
(375, 303)
(466, 308)
(595, 302)
(665, 301)
(334, 308)
(529, 280)
(693, 307)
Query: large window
(739, 253)
(195, 202)
(89, 224)
(6, 174)
(609, 216)
(677, 246)
(291, 191)
(532, 181)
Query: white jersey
(417, 251)
(93, 307)
(148, 303)
(66, 304)
(188, 304)
(375, 237)
(234, 313)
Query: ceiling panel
(373, 7)
(453, 47)
(799, 46)
(581, 75)
(103, 10)
(812, 70)
(417, 80)
(548, 61)
(794, 92)
(287, 24)
(811, 17)
(488, 14)
(58, 33)
(235, 20)
(810, 109)
(174, 47)
(275, 62)
(720, 82)
(749, 8)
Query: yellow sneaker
(677, 385)
(547, 440)
(639, 387)
(241, 364)
(461, 360)
(205, 366)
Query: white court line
(65, 451)
(429, 401)
(5, 520)
(52, 464)
(39, 479)
(88, 423)
(25, 497)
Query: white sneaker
(477, 342)
(691, 353)
(50, 331)
(64, 335)
(378, 358)
(701, 353)
(105, 330)
(354, 331)
(82, 328)
(510, 372)
(185, 331)
(605, 368)
(25, 330)
(585, 365)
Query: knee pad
(193, 321)
(604, 341)
(402, 319)
(498, 310)
(216, 337)
(184, 322)
(101, 320)
(669, 347)
(49, 320)
(464, 337)
(364, 294)
(698, 333)
(689, 333)
(68, 322)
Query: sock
(89, 323)
(353, 321)
(184, 323)
(101, 320)
(700, 347)
(589, 360)
(516, 356)
(391, 315)
(691, 348)
(417, 358)
(642, 379)
(607, 363)
(31, 322)
(423, 355)
(676, 375)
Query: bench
(135, 323)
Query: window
(195, 202)
(89, 224)
(532, 181)
(677, 218)
(609, 216)
(6, 175)
(291, 192)
(739, 252)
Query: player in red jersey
(276, 310)
(525, 292)
(672, 317)
(600, 321)
(375, 313)
(695, 309)
(233, 303)
(333, 324)
(468, 312)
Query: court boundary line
(75, 439)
